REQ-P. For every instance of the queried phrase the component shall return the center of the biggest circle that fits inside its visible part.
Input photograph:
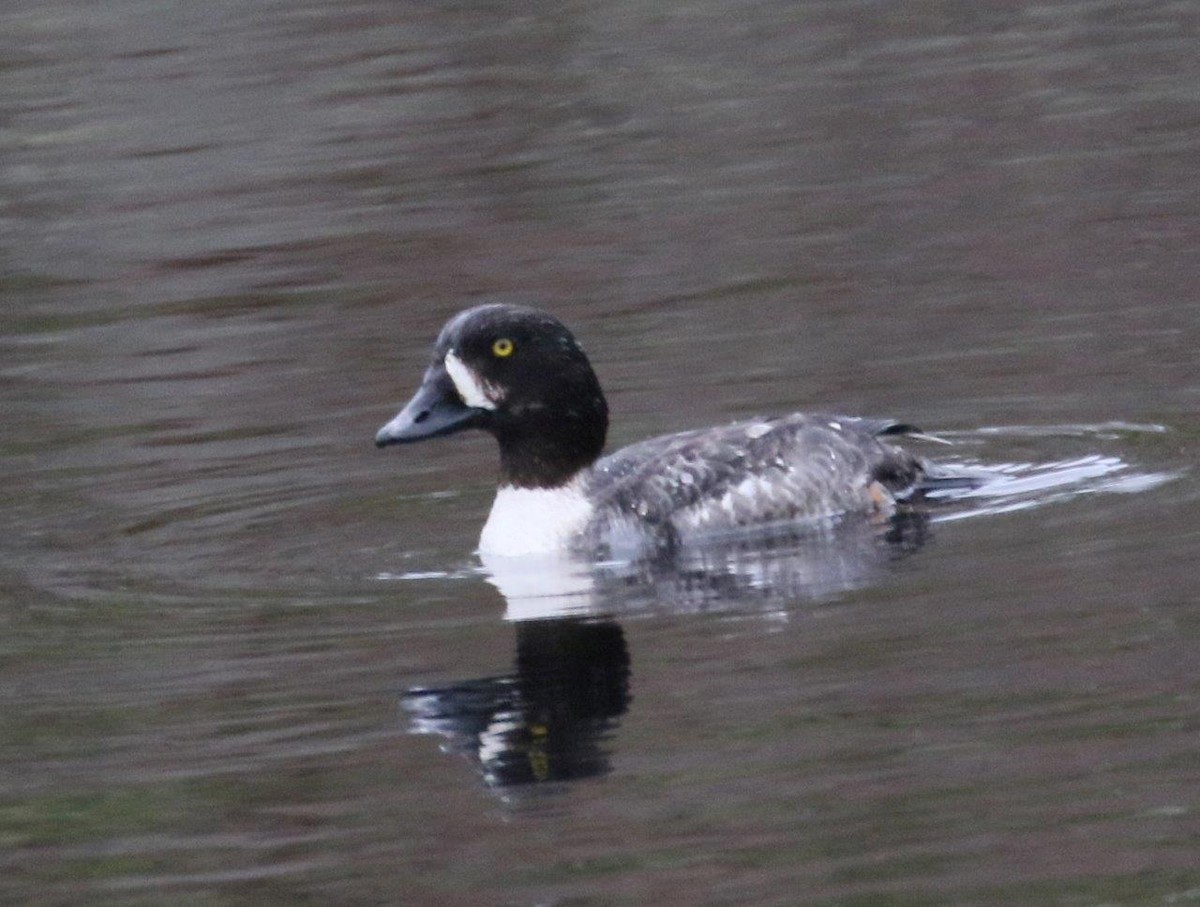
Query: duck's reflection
(548, 720)
(551, 719)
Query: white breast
(534, 520)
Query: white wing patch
(473, 390)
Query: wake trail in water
(1001, 487)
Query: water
(247, 658)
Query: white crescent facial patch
(470, 387)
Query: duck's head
(519, 374)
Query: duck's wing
(759, 471)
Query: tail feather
(938, 479)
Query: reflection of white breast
(549, 585)
(535, 520)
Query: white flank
(467, 383)
(534, 520)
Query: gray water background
(228, 233)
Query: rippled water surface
(247, 658)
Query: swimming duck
(520, 375)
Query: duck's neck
(549, 448)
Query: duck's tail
(940, 480)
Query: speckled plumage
(785, 469)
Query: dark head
(519, 374)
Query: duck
(520, 375)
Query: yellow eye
(502, 347)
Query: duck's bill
(436, 409)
